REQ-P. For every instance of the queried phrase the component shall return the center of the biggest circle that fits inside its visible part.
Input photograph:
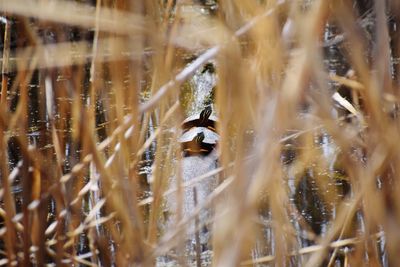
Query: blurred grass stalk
(83, 201)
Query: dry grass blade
(76, 14)
(199, 133)
(315, 248)
(65, 54)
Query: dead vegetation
(308, 155)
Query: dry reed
(308, 154)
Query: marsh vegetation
(304, 172)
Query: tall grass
(307, 177)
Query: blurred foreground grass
(307, 97)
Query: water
(192, 167)
(202, 83)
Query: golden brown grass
(96, 97)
